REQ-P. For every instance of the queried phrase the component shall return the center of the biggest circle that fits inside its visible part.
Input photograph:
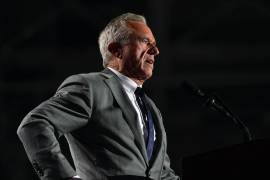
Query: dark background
(222, 46)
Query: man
(113, 129)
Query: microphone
(214, 102)
(209, 100)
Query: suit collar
(107, 73)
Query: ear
(116, 49)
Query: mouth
(150, 61)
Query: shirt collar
(126, 82)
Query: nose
(153, 50)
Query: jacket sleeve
(167, 173)
(68, 110)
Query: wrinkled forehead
(141, 29)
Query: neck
(116, 67)
(139, 82)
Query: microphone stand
(215, 103)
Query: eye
(145, 40)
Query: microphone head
(193, 89)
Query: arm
(68, 110)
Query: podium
(245, 161)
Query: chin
(148, 74)
(144, 76)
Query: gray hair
(116, 30)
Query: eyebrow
(153, 42)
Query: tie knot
(139, 91)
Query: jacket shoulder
(84, 79)
(94, 76)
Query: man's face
(138, 55)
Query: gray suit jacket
(99, 122)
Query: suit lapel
(128, 110)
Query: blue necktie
(148, 127)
